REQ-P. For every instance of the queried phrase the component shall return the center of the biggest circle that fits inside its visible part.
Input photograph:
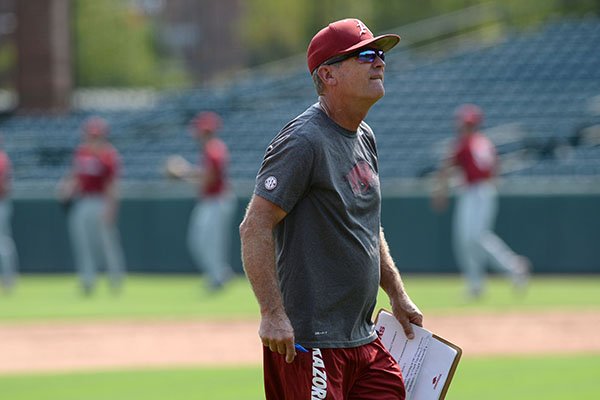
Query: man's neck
(348, 116)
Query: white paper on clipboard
(427, 362)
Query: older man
(312, 243)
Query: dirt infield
(108, 345)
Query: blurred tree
(275, 29)
(8, 50)
(113, 45)
(7, 61)
(390, 14)
(272, 29)
(322, 12)
(579, 6)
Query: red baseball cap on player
(469, 114)
(344, 37)
(95, 127)
(206, 121)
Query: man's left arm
(111, 202)
(111, 191)
(403, 307)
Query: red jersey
(215, 158)
(476, 155)
(95, 169)
(5, 174)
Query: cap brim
(382, 42)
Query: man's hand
(439, 200)
(276, 333)
(406, 312)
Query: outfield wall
(560, 233)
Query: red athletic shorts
(365, 372)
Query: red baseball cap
(343, 37)
(469, 114)
(95, 126)
(206, 121)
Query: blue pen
(300, 348)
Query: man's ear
(327, 75)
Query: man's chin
(379, 94)
(378, 88)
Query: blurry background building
(44, 68)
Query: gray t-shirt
(327, 247)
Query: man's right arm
(258, 257)
(67, 187)
(439, 195)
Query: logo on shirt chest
(362, 178)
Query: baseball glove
(177, 167)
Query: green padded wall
(560, 233)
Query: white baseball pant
(475, 243)
(8, 251)
(95, 243)
(208, 237)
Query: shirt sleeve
(286, 172)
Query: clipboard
(429, 360)
(453, 365)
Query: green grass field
(548, 378)
(175, 297)
(181, 297)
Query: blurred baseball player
(92, 184)
(8, 251)
(211, 220)
(475, 243)
(312, 243)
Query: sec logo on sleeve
(270, 183)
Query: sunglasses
(363, 56)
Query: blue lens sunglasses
(363, 56)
